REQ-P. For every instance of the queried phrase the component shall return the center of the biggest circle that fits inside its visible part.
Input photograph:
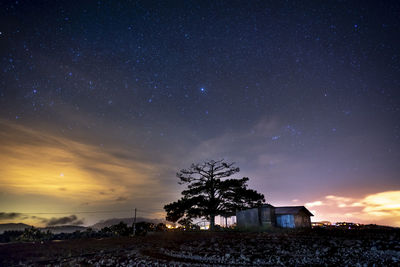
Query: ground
(306, 247)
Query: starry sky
(102, 102)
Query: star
(174, 81)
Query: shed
(293, 217)
(270, 216)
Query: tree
(142, 228)
(210, 193)
(121, 229)
(31, 234)
(188, 224)
(161, 227)
(237, 196)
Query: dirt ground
(302, 248)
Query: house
(270, 216)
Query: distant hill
(73, 228)
(63, 229)
(53, 229)
(13, 227)
(128, 221)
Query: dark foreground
(312, 247)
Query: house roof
(292, 210)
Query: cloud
(246, 141)
(380, 208)
(341, 202)
(70, 220)
(10, 215)
(42, 163)
(121, 199)
(339, 199)
(383, 204)
(315, 203)
(18, 217)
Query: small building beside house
(269, 216)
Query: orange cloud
(380, 208)
(315, 203)
(38, 163)
(383, 204)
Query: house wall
(267, 216)
(248, 218)
(302, 220)
(264, 217)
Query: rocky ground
(311, 247)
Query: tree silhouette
(210, 193)
(121, 229)
(237, 196)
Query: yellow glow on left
(36, 163)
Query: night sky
(102, 102)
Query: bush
(10, 236)
(143, 227)
(161, 227)
(34, 234)
(121, 229)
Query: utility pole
(134, 224)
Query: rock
(348, 243)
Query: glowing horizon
(56, 168)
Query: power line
(85, 212)
(79, 212)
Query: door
(285, 221)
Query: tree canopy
(210, 192)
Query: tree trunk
(212, 222)
(226, 222)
